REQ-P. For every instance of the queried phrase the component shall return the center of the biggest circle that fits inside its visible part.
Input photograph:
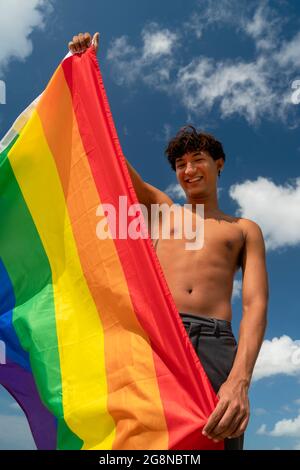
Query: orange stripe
(179, 375)
(131, 375)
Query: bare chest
(221, 246)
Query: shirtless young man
(201, 281)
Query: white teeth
(194, 179)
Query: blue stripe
(14, 351)
(7, 296)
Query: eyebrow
(199, 152)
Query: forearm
(231, 415)
(146, 193)
(140, 186)
(135, 177)
(251, 334)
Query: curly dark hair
(189, 140)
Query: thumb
(95, 41)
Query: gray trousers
(216, 348)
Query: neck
(210, 202)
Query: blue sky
(227, 67)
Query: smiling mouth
(194, 180)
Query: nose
(190, 168)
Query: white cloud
(235, 86)
(126, 65)
(245, 88)
(18, 19)
(152, 62)
(120, 47)
(278, 356)
(237, 287)
(15, 433)
(257, 25)
(264, 27)
(14, 429)
(283, 428)
(194, 24)
(289, 52)
(167, 132)
(274, 207)
(256, 19)
(287, 409)
(163, 135)
(211, 13)
(262, 430)
(15, 407)
(157, 43)
(175, 191)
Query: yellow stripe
(79, 330)
(134, 399)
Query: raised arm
(146, 193)
(231, 416)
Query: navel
(190, 290)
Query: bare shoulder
(250, 228)
(254, 243)
(249, 231)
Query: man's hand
(231, 415)
(81, 42)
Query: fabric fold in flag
(96, 353)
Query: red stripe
(186, 394)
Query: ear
(220, 164)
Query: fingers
(80, 43)
(75, 44)
(232, 424)
(72, 47)
(227, 426)
(95, 41)
(215, 417)
(241, 428)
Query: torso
(201, 281)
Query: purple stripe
(20, 384)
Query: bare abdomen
(200, 281)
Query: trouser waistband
(208, 325)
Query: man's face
(197, 173)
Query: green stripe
(28, 266)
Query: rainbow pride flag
(96, 353)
